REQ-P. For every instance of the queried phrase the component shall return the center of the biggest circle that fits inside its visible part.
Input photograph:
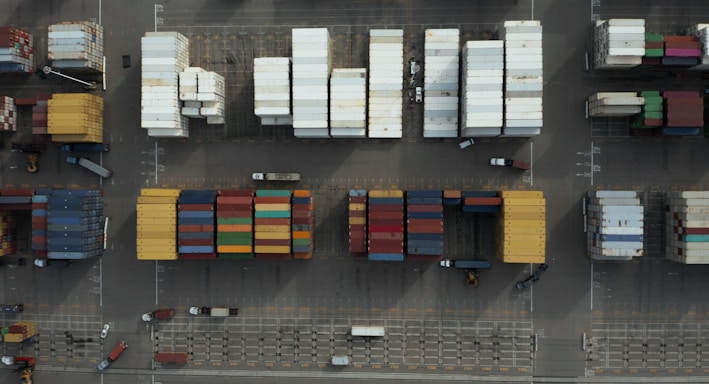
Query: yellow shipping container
(272, 207)
(13, 338)
(522, 194)
(158, 213)
(75, 96)
(155, 200)
(357, 207)
(160, 192)
(524, 230)
(389, 193)
(156, 235)
(519, 243)
(516, 201)
(524, 208)
(155, 242)
(168, 228)
(523, 216)
(525, 259)
(521, 236)
(160, 207)
(272, 249)
(157, 248)
(79, 138)
(271, 228)
(357, 220)
(272, 235)
(522, 251)
(234, 248)
(524, 223)
(157, 255)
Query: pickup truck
(85, 147)
(160, 314)
(502, 162)
(465, 264)
(214, 311)
(276, 176)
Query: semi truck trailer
(275, 176)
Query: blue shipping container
(386, 256)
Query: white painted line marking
(100, 282)
(531, 291)
(156, 282)
(156, 161)
(592, 286)
(531, 162)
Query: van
(116, 353)
(340, 360)
(90, 165)
(466, 143)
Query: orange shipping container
(234, 248)
(301, 235)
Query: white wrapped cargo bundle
(272, 90)
(386, 65)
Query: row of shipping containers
(357, 222)
(687, 227)
(385, 100)
(226, 224)
(8, 114)
(16, 51)
(348, 103)
(76, 46)
(19, 332)
(614, 104)
(441, 77)
(483, 79)
(424, 225)
(385, 225)
(311, 75)
(75, 118)
(614, 225)
(272, 90)
(521, 227)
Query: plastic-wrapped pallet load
(615, 225)
(524, 79)
(165, 55)
(618, 43)
(311, 74)
(687, 227)
(483, 71)
(521, 228)
(441, 77)
(272, 85)
(16, 51)
(386, 66)
(609, 104)
(76, 45)
(348, 102)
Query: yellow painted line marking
(413, 367)
(62, 359)
(286, 364)
(76, 305)
(487, 369)
(376, 309)
(599, 370)
(689, 370)
(358, 366)
(671, 370)
(633, 370)
(692, 313)
(504, 369)
(653, 370)
(217, 363)
(250, 364)
(376, 366)
(616, 371)
(411, 309)
(395, 309)
(234, 363)
(43, 359)
(304, 365)
(430, 310)
(198, 363)
(449, 368)
(269, 364)
(448, 310)
(521, 369)
(467, 368)
(322, 365)
(394, 366)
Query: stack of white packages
(203, 94)
(700, 32)
(348, 102)
(311, 74)
(483, 66)
(619, 43)
(188, 92)
(165, 55)
(441, 77)
(76, 45)
(386, 66)
(614, 104)
(687, 222)
(524, 80)
(272, 90)
(615, 225)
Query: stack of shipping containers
(235, 210)
(303, 224)
(424, 225)
(8, 233)
(385, 230)
(521, 228)
(681, 51)
(8, 114)
(203, 94)
(483, 66)
(700, 32)
(654, 49)
(481, 201)
(358, 222)
(272, 229)
(348, 102)
(75, 118)
(40, 206)
(11, 201)
(195, 224)
(75, 224)
(684, 113)
(615, 225)
(524, 80)
(618, 43)
(651, 115)
(311, 74)
(272, 90)
(157, 224)
(20, 331)
(16, 51)
(386, 66)
(687, 230)
(452, 197)
(40, 114)
(609, 104)
(441, 76)
(76, 45)
(164, 56)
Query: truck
(85, 147)
(171, 357)
(160, 314)
(503, 162)
(275, 176)
(465, 264)
(11, 308)
(90, 165)
(214, 311)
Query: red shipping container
(423, 228)
(386, 249)
(359, 200)
(424, 208)
(386, 236)
(273, 256)
(386, 215)
(36, 220)
(195, 207)
(696, 231)
(39, 239)
(186, 228)
(234, 214)
(267, 221)
(386, 208)
(303, 221)
(302, 214)
(381, 222)
(234, 207)
(670, 94)
(358, 213)
(385, 244)
(272, 200)
(198, 256)
(195, 241)
(483, 201)
(303, 207)
(20, 101)
(17, 192)
(671, 38)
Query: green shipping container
(654, 37)
(234, 242)
(301, 241)
(272, 214)
(654, 52)
(234, 220)
(649, 93)
(652, 108)
(653, 115)
(272, 193)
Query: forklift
(471, 277)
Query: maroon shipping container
(424, 208)
(39, 220)
(272, 221)
(386, 216)
(382, 222)
(195, 228)
(357, 227)
(386, 235)
(302, 214)
(39, 239)
(670, 94)
(696, 231)
(195, 241)
(681, 44)
(304, 221)
(17, 192)
(272, 200)
(240, 214)
(385, 228)
(234, 207)
(283, 242)
(273, 256)
(20, 101)
(198, 256)
(653, 122)
(386, 208)
(358, 213)
(483, 201)
(425, 228)
(234, 200)
(235, 192)
(195, 207)
(172, 357)
(358, 199)
(303, 207)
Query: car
(526, 283)
(45, 262)
(419, 95)
(466, 143)
(11, 308)
(540, 270)
(499, 161)
(104, 331)
(103, 364)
